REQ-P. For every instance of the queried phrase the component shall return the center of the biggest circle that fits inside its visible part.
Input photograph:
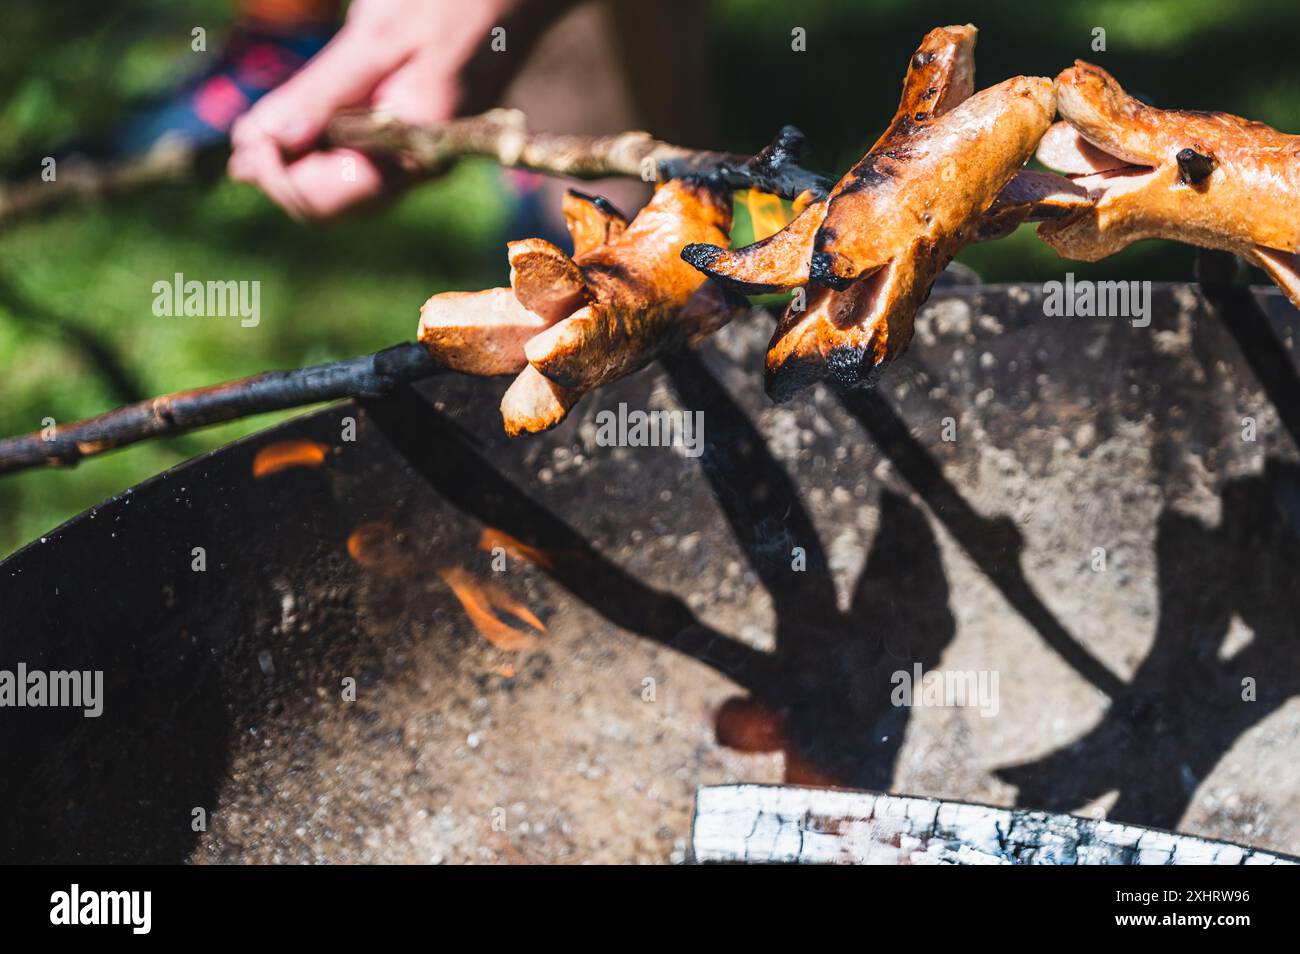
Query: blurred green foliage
(69, 68)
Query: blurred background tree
(77, 333)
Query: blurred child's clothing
(289, 13)
(254, 59)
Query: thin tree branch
(370, 375)
(78, 178)
(503, 134)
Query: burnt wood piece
(773, 824)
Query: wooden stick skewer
(427, 150)
(365, 376)
(503, 135)
(499, 133)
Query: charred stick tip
(785, 148)
(791, 139)
(819, 268)
(774, 169)
(1193, 167)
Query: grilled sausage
(954, 171)
(941, 74)
(484, 333)
(880, 238)
(1208, 179)
(643, 301)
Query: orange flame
(802, 201)
(482, 600)
(282, 455)
(491, 538)
(379, 547)
(766, 213)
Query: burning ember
(379, 547)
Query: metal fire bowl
(669, 593)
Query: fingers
(324, 183)
(261, 164)
(330, 181)
(343, 74)
(293, 117)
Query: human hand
(401, 57)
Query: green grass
(326, 292)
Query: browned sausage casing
(1208, 179)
